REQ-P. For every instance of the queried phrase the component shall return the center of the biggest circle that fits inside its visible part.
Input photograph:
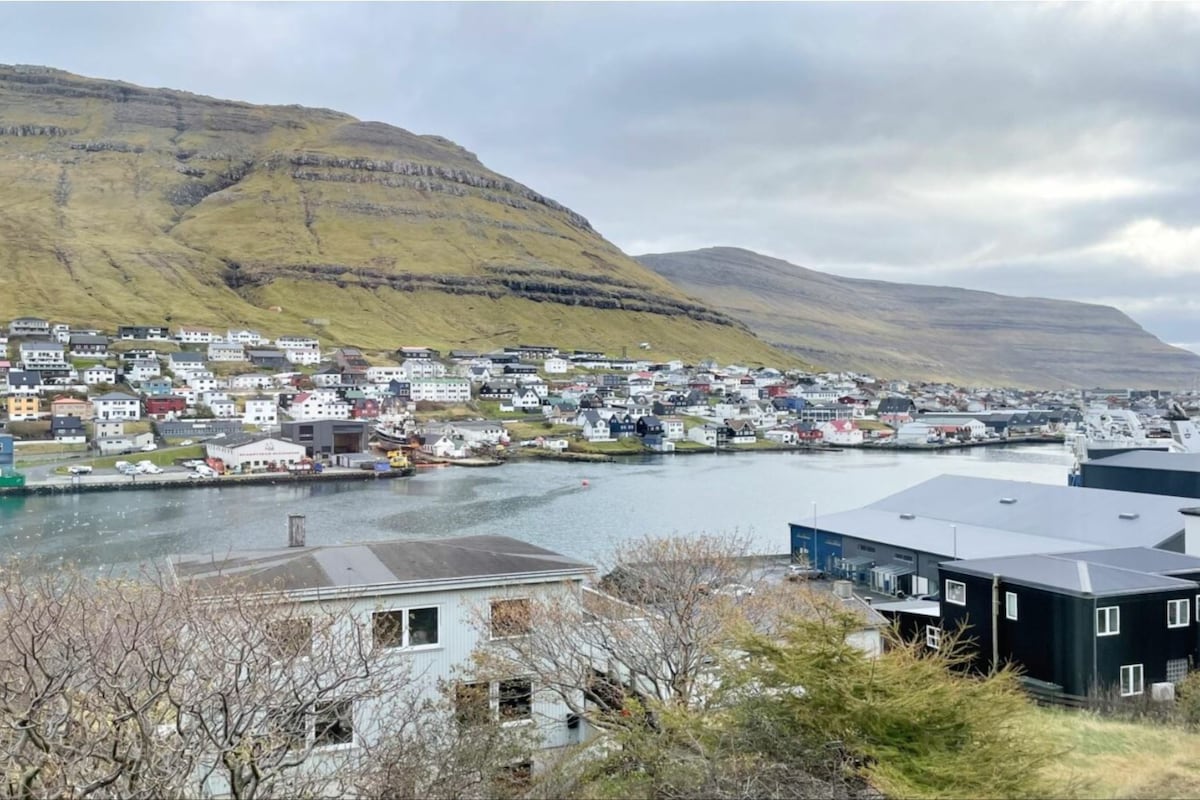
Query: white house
(595, 427)
(781, 436)
(527, 399)
(556, 366)
(440, 390)
(261, 411)
(385, 374)
(255, 380)
(190, 335)
(42, 355)
(246, 337)
(94, 376)
(433, 602)
(916, 433)
(204, 381)
(422, 368)
(319, 404)
(841, 431)
(300, 349)
(673, 428)
(141, 370)
(246, 452)
(223, 408)
(704, 434)
(226, 351)
(484, 432)
(116, 405)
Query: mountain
(928, 332)
(122, 204)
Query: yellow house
(22, 408)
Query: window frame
(1182, 620)
(1111, 614)
(1011, 606)
(949, 597)
(933, 637)
(325, 707)
(492, 695)
(1141, 680)
(405, 613)
(492, 630)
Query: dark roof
(895, 405)
(183, 357)
(1151, 459)
(115, 396)
(86, 338)
(389, 564)
(1068, 575)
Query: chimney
(295, 530)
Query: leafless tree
(651, 631)
(141, 687)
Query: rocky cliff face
(128, 204)
(928, 332)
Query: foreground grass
(1108, 758)
(163, 457)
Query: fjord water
(543, 502)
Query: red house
(807, 432)
(167, 407)
(365, 408)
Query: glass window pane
(516, 699)
(422, 626)
(388, 628)
(334, 724)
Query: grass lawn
(163, 458)
(1114, 759)
(628, 445)
(48, 448)
(531, 430)
(760, 444)
(688, 444)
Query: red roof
(842, 425)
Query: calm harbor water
(543, 502)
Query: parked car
(804, 572)
(735, 590)
(120, 465)
(186, 443)
(149, 448)
(149, 468)
(80, 469)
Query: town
(211, 400)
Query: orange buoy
(585, 483)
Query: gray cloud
(1034, 149)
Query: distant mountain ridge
(928, 332)
(128, 205)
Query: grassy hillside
(928, 332)
(130, 205)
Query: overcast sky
(1048, 150)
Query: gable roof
(379, 566)
(115, 396)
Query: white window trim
(1011, 609)
(404, 646)
(962, 602)
(1198, 608)
(1115, 616)
(1183, 619)
(933, 637)
(491, 636)
(1141, 683)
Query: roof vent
(1008, 501)
(907, 515)
(1128, 515)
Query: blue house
(156, 387)
(621, 426)
(6, 452)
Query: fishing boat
(1108, 432)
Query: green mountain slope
(121, 204)
(928, 332)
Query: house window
(1108, 621)
(1177, 669)
(866, 548)
(405, 627)
(1010, 605)
(1131, 680)
(510, 618)
(289, 639)
(510, 701)
(1178, 613)
(334, 724)
(515, 699)
(956, 593)
(933, 637)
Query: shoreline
(151, 484)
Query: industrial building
(327, 437)
(1149, 471)
(896, 544)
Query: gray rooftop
(1151, 459)
(1077, 576)
(1143, 559)
(388, 565)
(1002, 518)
